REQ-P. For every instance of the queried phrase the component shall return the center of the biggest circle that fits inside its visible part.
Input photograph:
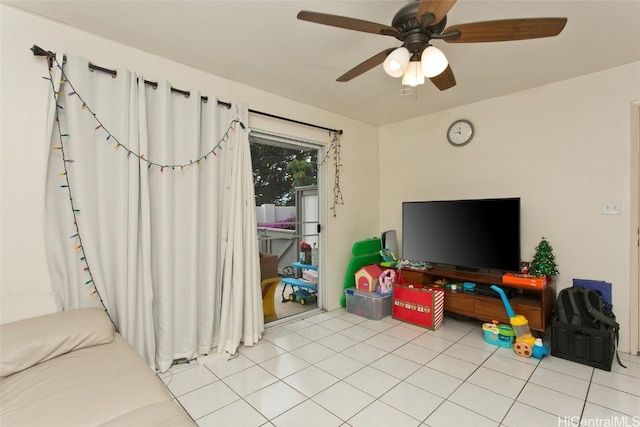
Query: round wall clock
(460, 133)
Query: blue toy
(497, 334)
(526, 345)
(388, 258)
(539, 349)
(302, 296)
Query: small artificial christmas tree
(544, 262)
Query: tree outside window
(277, 171)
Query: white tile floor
(338, 369)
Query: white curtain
(166, 236)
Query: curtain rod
(38, 51)
(273, 116)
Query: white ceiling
(263, 45)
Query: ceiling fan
(417, 24)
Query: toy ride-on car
(302, 296)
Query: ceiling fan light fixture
(413, 75)
(396, 62)
(433, 61)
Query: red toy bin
(419, 305)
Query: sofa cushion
(27, 342)
(88, 387)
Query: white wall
(563, 148)
(24, 282)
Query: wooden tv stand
(533, 303)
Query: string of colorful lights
(111, 138)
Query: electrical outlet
(611, 207)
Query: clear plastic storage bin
(368, 304)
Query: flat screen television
(474, 235)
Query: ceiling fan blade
(347, 23)
(438, 8)
(445, 79)
(505, 30)
(365, 66)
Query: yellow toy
(524, 340)
(523, 345)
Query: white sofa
(71, 369)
